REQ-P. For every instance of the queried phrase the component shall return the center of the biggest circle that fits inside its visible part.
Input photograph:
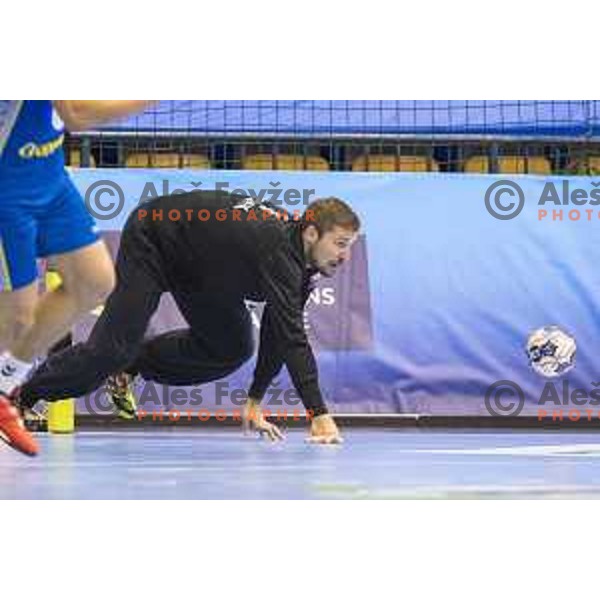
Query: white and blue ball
(551, 351)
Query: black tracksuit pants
(218, 341)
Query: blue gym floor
(382, 463)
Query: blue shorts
(37, 222)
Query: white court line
(585, 450)
(460, 491)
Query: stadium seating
(588, 166)
(391, 162)
(510, 164)
(166, 160)
(284, 162)
(74, 158)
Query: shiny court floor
(372, 464)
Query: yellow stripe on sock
(5, 270)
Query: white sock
(13, 372)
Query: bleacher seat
(594, 164)
(74, 159)
(587, 166)
(391, 162)
(166, 160)
(537, 165)
(284, 162)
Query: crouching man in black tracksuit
(211, 251)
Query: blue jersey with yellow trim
(33, 153)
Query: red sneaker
(12, 429)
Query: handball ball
(551, 351)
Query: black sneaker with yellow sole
(120, 390)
